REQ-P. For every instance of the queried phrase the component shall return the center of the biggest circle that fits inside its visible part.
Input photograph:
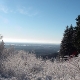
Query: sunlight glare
(29, 41)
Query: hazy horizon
(31, 43)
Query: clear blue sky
(41, 21)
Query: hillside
(19, 65)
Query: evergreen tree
(1, 44)
(71, 40)
(63, 48)
(76, 35)
(67, 43)
(78, 21)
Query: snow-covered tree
(1, 44)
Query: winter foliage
(21, 65)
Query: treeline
(70, 44)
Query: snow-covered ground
(21, 65)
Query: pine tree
(63, 48)
(76, 35)
(78, 21)
(1, 44)
(67, 43)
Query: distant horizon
(27, 41)
(33, 43)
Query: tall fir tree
(67, 47)
(78, 21)
(63, 48)
(76, 35)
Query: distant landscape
(39, 39)
(43, 50)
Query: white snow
(25, 66)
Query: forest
(70, 44)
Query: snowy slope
(21, 65)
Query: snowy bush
(21, 65)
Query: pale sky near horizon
(37, 21)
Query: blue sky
(37, 21)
